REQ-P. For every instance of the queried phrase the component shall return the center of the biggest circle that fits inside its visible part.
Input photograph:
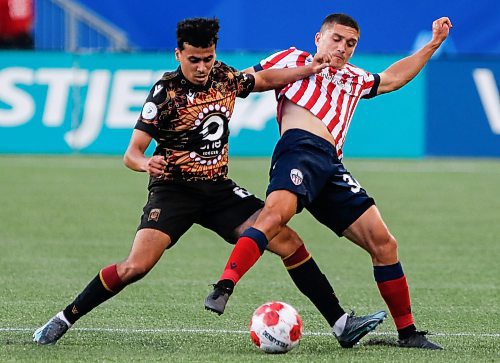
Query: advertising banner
(89, 103)
(463, 108)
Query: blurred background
(74, 74)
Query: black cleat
(418, 340)
(50, 332)
(356, 327)
(216, 301)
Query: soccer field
(64, 218)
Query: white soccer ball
(275, 327)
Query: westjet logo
(488, 92)
(81, 102)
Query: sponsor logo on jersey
(336, 79)
(154, 214)
(296, 176)
(149, 111)
(212, 126)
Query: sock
(61, 316)
(406, 332)
(248, 249)
(338, 327)
(227, 285)
(309, 279)
(393, 287)
(104, 286)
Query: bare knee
(270, 222)
(285, 243)
(131, 271)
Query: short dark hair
(198, 32)
(342, 19)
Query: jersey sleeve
(290, 58)
(370, 85)
(149, 117)
(244, 82)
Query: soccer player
(306, 169)
(187, 113)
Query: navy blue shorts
(307, 165)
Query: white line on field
(224, 331)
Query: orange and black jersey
(190, 122)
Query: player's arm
(249, 70)
(404, 70)
(136, 159)
(278, 78)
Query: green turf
(63, 218)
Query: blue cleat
(356, 327)
(51, 332)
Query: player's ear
(177, 54)
(316, 38)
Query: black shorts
(307, 165)
(220, 206)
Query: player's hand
(156, 165)
(321, 61)
(440, 29)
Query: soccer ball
(275, 327)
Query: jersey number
(355, 186)
(242, 193)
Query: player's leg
(167, 215)
(270, 224)
(148, 247)
(279, 208)
(293, 174)
(230, 214)
(370, 233)
(305, 273)
(300, 265)
(287, 244)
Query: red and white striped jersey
(331, 95)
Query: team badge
(149, 111)
(296, 176)
(154, 214)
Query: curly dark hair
(198, 32)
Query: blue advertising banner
(463, 114)
(389, 125)
(89, 103)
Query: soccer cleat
(216, 301)
(50, 332)
(418, 340)
(356, 327)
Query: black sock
(311, 282)
(93, 295)
(227, 285)
(407, 332)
